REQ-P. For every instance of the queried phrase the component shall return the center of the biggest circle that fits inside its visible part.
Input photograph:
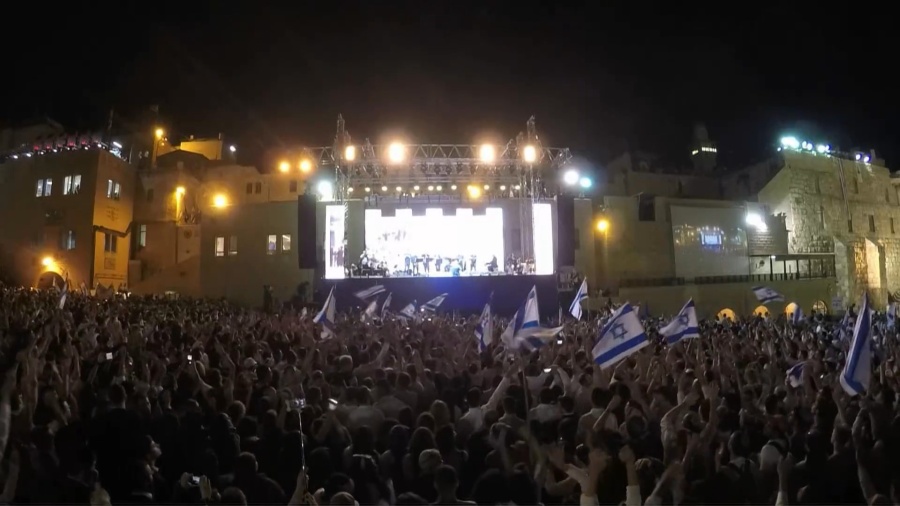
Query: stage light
(866, 159)
(790, 142)
(47, 261)
(416, 187)
(159, 133)
(529, 154)
(474, 192)
(325, 189)
(518, 187)
(487, 187)
(602, 225)
(585, 182)
(350, 153)
(396, 152)
(284, 166)
(305, 165)
(570, 177)
(756, 221)
(399, 188)
(384, 188)
(439, 187)
(858, 156)
(350, 190)
(220, 201)
(430, 188)
(822, 148)
(179, 191)
(232, 148)
(503, 187)
(453, 187)
(487, 153)
(368, 189)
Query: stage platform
(466, 294)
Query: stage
(466, 294)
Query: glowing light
(790, 142)
(866, 159)
(325, 190)
(822, 148)
(284, 166)
(416, 187)
(529, 154)
(159, 133)
(430, 188)
(858, 156)
(503, 187)
(179, 191)
(570, 177)
(47, 261)
(487, 187)
(453, 187)
(232, 148)
(368, 189)
(756, 221)
(399, 188)
(487, 153)
(585, 182)
(602, 225)
(439, 187)
(384, 188)
(396, 152)
(350, 190)
(220, 201)
(350, 153)
(305, 165)
(474, 191)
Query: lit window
(68, 240)
(110, 243)
(232, 246)
(71, 184)
(113, 189)
(220, 246)
(142, 236)
(271, 244)
(44, 187)
(285, 242)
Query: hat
(430, 460)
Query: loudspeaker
(306, 231)
(565, 227)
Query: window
(822, 216)
(110, 243)
(232, 246)
(142, 236)
(258, 187)
(220, 246)
(850, 224)
(67, 241)
(271, 244)
(44, 187)
(892, 225)
(292, 187)
(871, 223)
(285, 242)
(72, 184)
(150, 195)
(113, 189)
(646, 207)
(249, 188)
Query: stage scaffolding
(444, 169)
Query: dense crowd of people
(154, 400)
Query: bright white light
(396, 152)
(542, 218)
(866, 159)
(858, 156)
(232, 148)
(570, 177)
(585, 182)
(334, 241)
(350, 153)
(325, 189)
(790, 142)
(487, 153)
(529, 154)
(821, 148)
(756, 221)
(116, 144)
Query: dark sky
(598, 75)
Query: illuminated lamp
(350, 153)
(487, 153)
(220, 201)
(602, 225)
(585, 182)
(47, 261)
(396, 152)
(529, 154)
(284, 166)
(570, 177)
(305, 166)
(474, 191)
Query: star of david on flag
(683, 326)
(621, 336)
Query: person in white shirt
(473, 419)
(602, 401)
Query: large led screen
(334, 241)
(436, 243)
(542, 220)
(709, 242)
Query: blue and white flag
(797, 315)
(524, 330)
(683, 326)
(765, 294)
(892, 316)
(65, 294)
(385, 306)
(795, 374)
(326, 316)
(369, 313)
(409, 311)
(370, 292)
(580, 295)
(858, 368)
(432, 305)
(843, 330)
(621, 336)
(484, 331)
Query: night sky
(599, 76)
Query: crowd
(160, 401)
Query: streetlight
(159, 133)
(220, 201)
(603, 225)
(305, 166)
(284, 166)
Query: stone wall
(835, 206)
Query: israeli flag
(65, 294)
(409, 311)
(765, 294)
(524, 330)
(797, 315)
(621, 336)
(892, 316)
(484, 331)
(683, 326)
(326, 316)
(843, 330)
(858, 368)
(795, 374)
(370, 292)
(385, 306)
(369, 313)
(580, 295)
(432, 305)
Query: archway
(761, 311)
(726, 313)
(820, 307)
(47, 280)
(790, 308)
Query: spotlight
(517, 187)
(416, 187)
(220, 201)
(585, 182)
(47, 261)
(396, 152)
(474, 191)
(487, 187)
(858, 156)
(529, 154)
(430, 188)
(503, 187)
(570, 177)
(350, 153)
(159, 133)
(305, 165)
(602, 225)
(487, 153)
(179, 191)
(453, 187)
(232, 148)
(368, 189)
(350, 190)
(439, 187)
(384, 188)
(284, 166)
(399, 188)
(790, 142)
(325, 189)
(866, 159)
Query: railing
(713, 280)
